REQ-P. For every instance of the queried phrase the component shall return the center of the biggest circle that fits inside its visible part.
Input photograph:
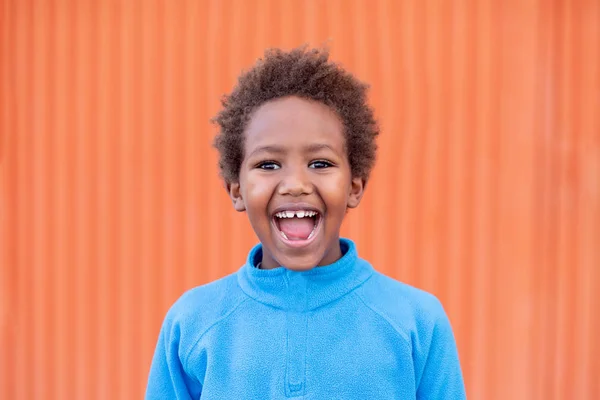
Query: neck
(304, 290)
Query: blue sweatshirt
(342, 331)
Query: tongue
(296, 228)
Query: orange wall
(486, 191)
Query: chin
(299, 263)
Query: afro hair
(308, 74)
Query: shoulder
(419, 318)
(207, 302)
(411, 311)
(200, 308)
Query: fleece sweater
(342, 331)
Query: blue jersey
(342, 331)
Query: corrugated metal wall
(486, 192)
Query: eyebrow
(267, 149)
(319, 146)
(280, 150)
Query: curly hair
(306, 74)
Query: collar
(304, 290)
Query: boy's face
(295, 182)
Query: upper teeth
(297, 214)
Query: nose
(295, 182)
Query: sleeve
(168, 378)
(441, 376)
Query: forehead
(292, 122)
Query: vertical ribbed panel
(486, 191)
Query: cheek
(257, 194)
(335, 194)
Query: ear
(357, 188)
(233, 188)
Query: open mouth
(297, 226)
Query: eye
(268, 165)
(319, 164)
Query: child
(305, 317)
